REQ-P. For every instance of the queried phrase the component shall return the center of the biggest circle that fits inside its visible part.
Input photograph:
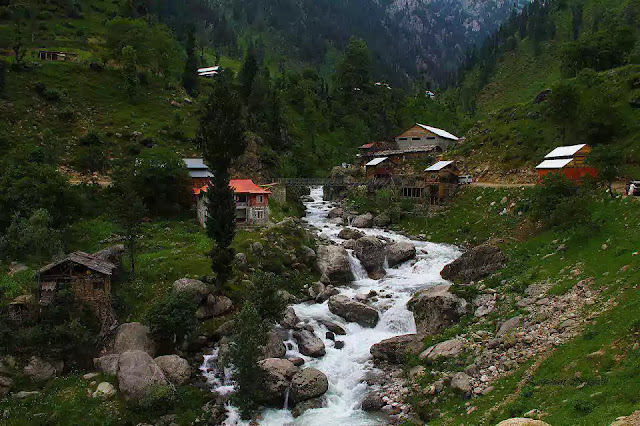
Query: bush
(32, 237)
(90, 154)
(173, 317)
(49, 94)
(158, 400)
(559, 202)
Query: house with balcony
(252, 203)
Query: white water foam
(346, 368)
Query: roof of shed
(439, 132)
(367, 145)
(195, 163)
(438, 166)
(565, 151)
(554, 164)
(84, 259)
(200, 173)
(376, 161)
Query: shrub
(172, 318)
(560, 202)
(90, 154)
(31, 237)
(158, 400)
(49, 94)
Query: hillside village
(209, 215)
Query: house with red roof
(252, 203)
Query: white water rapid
(346, 368)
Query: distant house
(52, 55)
(252, 203)
(442, 180)
(198, 171)
(569, 160)
(420, 135)
(209, 71)
(379, 168)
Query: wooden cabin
(442, 180)
(379, 168)
(568, 160)
(198, 172)
(420, 135)
(23, 309)
(52, 55)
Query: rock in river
(333, 263)
(309, 344)
(353, 311)
(400, 252)
(308, 383)
(371, 253)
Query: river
(346, 368)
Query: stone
(475, 264)
(134, 336)
(339, 344)
(309, 404)
(112, 254)
(195, 288)
(328, 291)
(484, 304)
(542, 96)
(105, 390)
(257, 248)
(350, 234)
(335, 212)
(309, 344)
(138, 373)
(330, 336)
(396, 349)
(461, 382)
(278, 374)
(308, 383)
(215, 306)
(363, 221)
(509, 326)
(372, 402)
(25, 394)
(297, 361)
(108, 364)
(175, 368)
(447, 349)
(399, 253)
(308, 254)
(5, 386)
(353, 311)
(90, 376)
(382, 220)
(333, 263)
(521, 421)
(40, 370)
(274, 346)
(290, 319)
(371, 253)
(333, 327)
(436, 308)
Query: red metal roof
(240, 186)
(367, 145)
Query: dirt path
(500, 185)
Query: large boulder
(461, 383)
(308, 383)
(290, 319)
(40, 370)
(350, 234)
(108, 364)
(134, 336)
(333, 327)
(353, 311)
(363, 221)
(522, 421)
(5, 386)
(396, 349)
(176, 369)
(333, 263)
(477, 263)
(138, 373)
(400, 252)
(447, 349)
(436, 308)
(215, 306)
(278, 374)
(373, 402)
(371, 253)
(309, 404)
(335, 212)
(382, 220)
(112, 254)
(309, 344)
(274, 346)
(195, 288)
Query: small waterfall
(286, 398)
(359, 273)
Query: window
(241, 198)
(431, 137)
(412, 192)
(261, 198)
(415, 139)
(258, 214)
(403, 139)
(98, 286)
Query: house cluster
(252, 201)
(569, 160)
(418, 145)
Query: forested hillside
(560, 73)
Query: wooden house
(442, 180)
(22, 309)
(88, 277)
(252, 203)
(52, 55)
(568, 160)
(198, 172)
(379, 168)
(420, 135)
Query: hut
(442, 179)
(22, 309)
(422, 135)
(379, 168)
(52, 55)
(569, 160)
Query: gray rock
(395, 350)
(25, 394)
(363, 221)
(297, 361)
(308, 383)
(278, 374)
(349, 244)
(108, 364)
(333, 263)
(274, 346)
(350, 234)
(522, 421)
(509, 325)
(176, 369)
(196, 288)
(215, 306)
(134, 336)
(257, 248)
(372, 402)
(400, 252)
(40, 370)
(447, 349)
(309, 344)
(461, 382)
(371, 253)
(290, 319)
(308, 254)
(309, 404)
(5, 386)
(436, 308)
(105, 390)
(333, 327)
(241, 260)
(382, 220)
(328, 291)
(138, 373)
(477, 263)
(335, 212)
(353, 311)
(339, 344)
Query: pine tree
(190, 74)
(130, 69)
(248, 73)
(221, 138)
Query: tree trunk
(132, 255)
(611, 190)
